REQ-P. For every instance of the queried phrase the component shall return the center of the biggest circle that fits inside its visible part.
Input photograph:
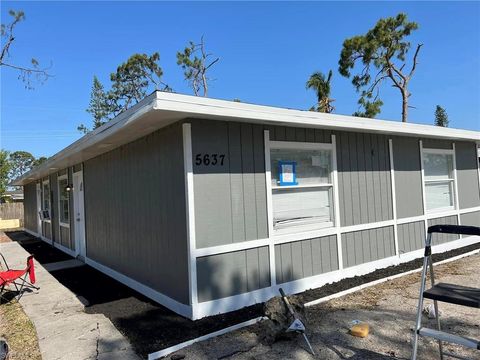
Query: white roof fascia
(184, 106)
(90, 139)
(266, 114)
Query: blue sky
(267, 50)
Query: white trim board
(162, 353)
(288, 238)
(190, 215)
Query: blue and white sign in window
(287, 174)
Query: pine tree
(99, 106)
(441, 117)
(382, 54)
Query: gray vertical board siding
(467, 174)
(65, 237)
(234, 273)
(285, 133)
(470, 219)
(443, 238)
(363, 246)
(47, 230)
(437, 144)
(230, 200)
(411, 236)
(408, 177)
(30, 207)
(301, 259)
(135, 211)
(365, 192)
(77, 167)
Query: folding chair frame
(18, 286)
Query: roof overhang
(161, 109)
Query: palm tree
(321, 86)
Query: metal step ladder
(448, 293)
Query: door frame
(39, 208)
(79, 214)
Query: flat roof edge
(190, 106)
(266, 114)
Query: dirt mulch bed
(148, 326)
(44, 253)
(151, 327)
(349, 283)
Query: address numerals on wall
(209, 159)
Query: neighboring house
(207, 206)
(11, 196)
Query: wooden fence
(11, 211)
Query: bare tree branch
(415, 60)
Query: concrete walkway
(65, 331)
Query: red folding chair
(17, 278)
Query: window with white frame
(302, 189)
(46, 200)
(439, 179)
(63, 199)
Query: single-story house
(207, 206)
(12, 196)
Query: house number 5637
(209, 159)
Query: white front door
(39, 209)
(79, 214)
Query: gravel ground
(388, 308)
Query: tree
(4, 171)
(25, 72)
(130, 84)
(321, 85)
(384, 47)
(371, 108)
(100, 108)
(441, 116)
(39, 161)
(20, 163)
(132, 79)
(196, 68)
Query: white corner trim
(268, 186)
(455, 183)
(162, 353)
(394, 197)
(336, 202)
(174, 305)
(422, 173)
(190, 215)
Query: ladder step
(455, 339)
(454, 294)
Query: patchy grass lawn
(19, 332)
